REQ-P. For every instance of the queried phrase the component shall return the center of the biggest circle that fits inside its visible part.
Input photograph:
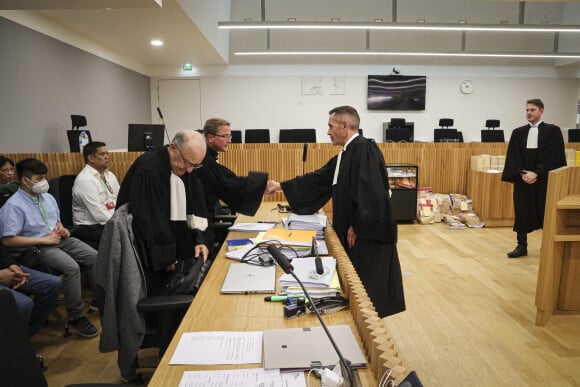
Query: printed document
(251, 377)
(219, 348)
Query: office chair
(255, 136)
(573, 135)
(297, 135)
(445, 122)
(236, 136)
(130, 319)
(397, 123)
(492, 135)
(73, 134)
(444, 133)
(398, 135)
(61, 189)
(221, 221)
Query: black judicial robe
(361, 200)
(242, 194)
(530, 199)
(146, 188)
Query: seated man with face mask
(31, 218)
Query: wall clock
(467, 86)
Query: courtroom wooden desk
(213, 311)
(492, 198)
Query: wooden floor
(470, 312)
(469, 320)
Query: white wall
(44, 81)
(276, 102)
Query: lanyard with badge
(109, 203)
(44, 215)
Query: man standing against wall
(94, 194)
(356, 180)
(533, 151)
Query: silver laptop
(298, 349)
(243, 278)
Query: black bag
(187, 277)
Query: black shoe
(519, 251)
(83, 327)
(93, 305)
(40, 359)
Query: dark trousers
(90, 234)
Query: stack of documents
(317, 285)
(300, 238)
(251, 227)
(306, 222)
(332, 290)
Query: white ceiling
(189, 29)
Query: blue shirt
(21, 215)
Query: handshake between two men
(272, 187)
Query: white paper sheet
(219, 348)
(251, 227)
(251, 377)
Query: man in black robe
(241, 193)
(533, 151)
(166, 202)
(356, 180)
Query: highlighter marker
(282, 298)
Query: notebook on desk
(243, 278)
(299, 349)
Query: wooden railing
(378, 343)
(442, 166)
(558, 288)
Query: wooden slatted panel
(442, 166)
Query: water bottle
(83, 139)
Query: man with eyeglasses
(94, 194)
(166, 202)
(241, 193)
(8, 183)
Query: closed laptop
(244, 278)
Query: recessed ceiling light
(156, 42)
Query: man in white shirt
(94, 194)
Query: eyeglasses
(186, 163)
(8, 171)
(224, 136)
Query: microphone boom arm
(342, 359)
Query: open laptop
(243, 278)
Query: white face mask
(41, 187)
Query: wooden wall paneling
(442, 166)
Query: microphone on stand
(287, 267)
(164, 126)
(304, 153)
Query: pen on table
(268, 221)
(282, 298)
